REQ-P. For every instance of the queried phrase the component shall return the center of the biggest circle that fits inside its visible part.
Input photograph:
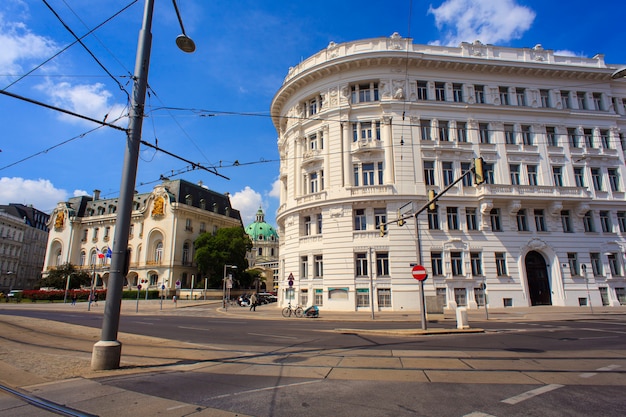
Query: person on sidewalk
(253, 302)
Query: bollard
(461, 318)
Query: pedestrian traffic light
(431, 197)
(400, 219)
(383, 231)
(479, 176)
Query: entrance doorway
(537, 277)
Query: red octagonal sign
(419, 273)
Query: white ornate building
(164, 225)
(367, 128)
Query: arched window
(93, 258)
(158, 252)
(58, 258)
(83, 258)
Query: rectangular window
(483, 133)
(436, 263)
(457, 93)
(504, 96)
(382, 264)
(461, 131)
(614, 265)
(477, 264)
(596, 264)
(597, 102)
(471, 218)
(579, 177)
(621, 221)
(425, 129)
(460, 296)
(360, 266)
(456, 263)
(589, 139)
(557, 175)
(572, 260)
(360, 220)
(362, 297)
(318, 298)
(368, 174)
(522, 223)
(580, 98)
(440, 91)
(588, 222)
(553, 139)
(313, 183)
(520, 93)
(363, 93)
(467, 179)
(448, 173)
(355, 169)
(433, 219)
(319, 266)
(384, 297)
(605, 138)
(509, 134)
(307, 225)
(501, 270)
(605, 222)
(566, 221)
(596, 178)
(573, 138)
(532, 174)
(494, 216)
(488, 172)
(545, 98)
(380, 217)
(304, 267)
(429, 172)
(479, 94)
(565, 100)
(422, 90)
(613, 179)
(444, 134)
(514, 169)
(540, 221)
(319, 223)
(527, 135)
(453, 218)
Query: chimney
(96, 195)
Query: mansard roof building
(366, 129)
(164, 225)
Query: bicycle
(296, 311)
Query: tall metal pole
(107, 352)
(418, 248)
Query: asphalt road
(304, 367)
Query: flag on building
(100, 254)
(108, 252)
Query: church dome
(259, 230)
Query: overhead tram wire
(68, 47)
(121, 87)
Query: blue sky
(212, 106)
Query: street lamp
(107, 352)
(224, 289)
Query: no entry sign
(419, 273)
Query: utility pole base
(106, 355)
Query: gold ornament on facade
(159, 207)
(59, 220)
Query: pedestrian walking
(74, 297)
(253, 302)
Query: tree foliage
(227, 247)
(57, 278)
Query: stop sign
(419, 273)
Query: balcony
(366, 145)
(371, 190)
(311, 197)
(312, 155)
(538, 191)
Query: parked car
(15, 295)
(267, 298)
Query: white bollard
(461, 318)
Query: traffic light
(479, 176)
(431, 196)
(383, 231)
(400, 219)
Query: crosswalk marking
(532, 393)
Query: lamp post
(67, 287)
(107, 352)
(224, 288)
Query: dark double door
(538, 282)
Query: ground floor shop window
(362, 298)
(319, 297)
(460, 296)
(304, 297)
(441, 295)
(384, 297)
(604, 295)
(621, 295)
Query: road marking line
(272, 335)
(144, 322)
(478, 414)
(532, 393)
(262, 389)
(193, 328)
(609, 368)
(603, 369)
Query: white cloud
(275, 191)
(92, 100)
(20, 47)
(40, 193)
(247, 201)
(78, 193)
(488, 21)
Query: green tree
(57, 278)
(227, 247)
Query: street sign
(163, 286)
(178, 284)
(290, 280)
(138, 286)
(419, 273)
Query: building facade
(23, 237)
(165, 223)
(264, 253)
(367, 128)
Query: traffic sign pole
(420, 274)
